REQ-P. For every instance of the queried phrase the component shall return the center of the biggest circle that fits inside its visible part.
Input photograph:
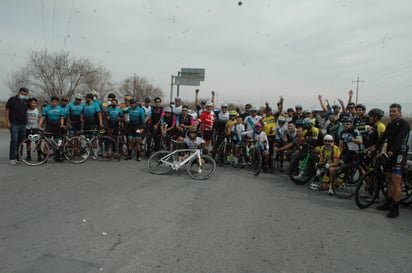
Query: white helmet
(328, 138)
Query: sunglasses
(64, 100)
(347, 123)
(328, 141)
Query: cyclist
(396, 135)
(154, 125)
(251, 120)
(298, 115)
(246, 113)
(114, 117)
(53, 115)
(135, 129)
(261, 139)
(222, 116)
(294, 144)
(206, 121)
(310, 132)
(64, 101)
(270, 128)
(236, 132)
(376, 127)
(200, 107)
(329, 156)
(95, 99)
(350, 141)
(32, 124)
(278, 142)
(361, 119)
(168, 127)
(192, 140)
(334, 128)
(184, 121)
(91, 119)
(74, 116)
(177, 107)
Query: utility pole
(357, 88)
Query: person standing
(396, 135)
(16, 119)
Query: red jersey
(207, 119)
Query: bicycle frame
(175, 163)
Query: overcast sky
(252, 52)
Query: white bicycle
(199, 166)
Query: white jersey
(250, 122)
(32, 118)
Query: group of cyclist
(341, 132)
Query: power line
(44, 24)
(68, 25)
(357, 88)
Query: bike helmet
(299, 123)
(281, 119)
(307, 123)
(223, 105)
(111, 96)
(376, 112)
(233, 113)
(253, 109)
(359, 105)
(132, 101)
(347, 119)
(290, 110)
(328, 138)
(258, 125)
(79, 97)
(209, 103)
(298, 107)
(168, 110)
(94, 93)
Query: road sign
(197, 73)
(187, 81)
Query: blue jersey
(99, 104)
(136, 116)
(53, 115)
(114, 114)
(75, 110)
(90, 112)
(65, 111)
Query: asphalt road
(117, 217)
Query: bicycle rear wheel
(367, 190)
(76, 150)
(201, 171)
(34, 153)
(156, 166)
(345, 181)
(105, 148)
(256, 161)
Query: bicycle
(375, 182)
(199, 166)
(224, 152)
(38, 146)
(101, 147)
(302, 165)
(348, 175)
(253, 157)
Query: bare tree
(16, 80)
(139, 88)
(57, 74)
(98, 80)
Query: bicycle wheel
(256, 161)
(221, 153)
(156, 166)
(201, 171)
(34, 153)
(76, 150)
(105, 148)
(406, 197)
(367, 190)
(301, 177)
(345, 181)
